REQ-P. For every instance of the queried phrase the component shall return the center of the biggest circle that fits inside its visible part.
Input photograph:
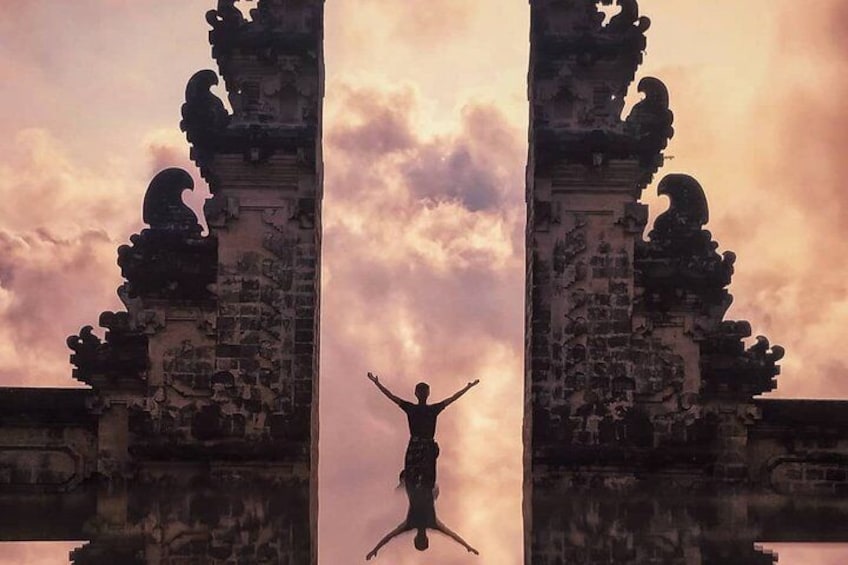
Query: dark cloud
(455, 175)
(476, 166)
(376, 123)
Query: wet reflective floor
(237, 523)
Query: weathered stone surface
(48, 439)
(169, 260)
(215, 360)
(193, 520)
(122, 356)
(651, 525)
(580, 71)
(631, 367)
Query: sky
(423, 273)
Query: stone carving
(280, 217)
(215, 360)
(577, 112)
(681, 255)
(649, 123)
(226, 16)
(274, 27)
(628, 19)
(123, 354)
(635, 217)
(163, 207)
(727, 368)
(687, 212)
(204, 115)
(632, 367)
(170, 259)
(680, 270)
(264, 15)
(274, 110)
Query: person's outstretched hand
(472, 383)
(373, 553)
(373, 378)
(474, 551)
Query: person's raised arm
(397, 400)
(455, 397)
(455, 537)
(386, 539)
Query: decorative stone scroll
(580, 75)
(170, 259)
(122, 355)
(680, 262)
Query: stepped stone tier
(632, 370)
(213, 366)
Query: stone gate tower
(631, 369)
(230, 320)
(213, 366)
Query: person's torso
(422, 420)
(422, 509)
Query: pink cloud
(423, 281)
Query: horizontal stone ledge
(59, 406)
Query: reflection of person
(421, 516)
(422, 450)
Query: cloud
(789, 275)
(36, 553)
(61, 224)
(477, 166)
(423, 246)
(423, 268)
(433, 21)
(374, 122)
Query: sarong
(420, 462)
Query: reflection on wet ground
(421, 517)
(242, 524)
(231, 524)
(646, 527)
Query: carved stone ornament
(226, 16)
(649, 123)
(274, 28)
(727, 368)
(582, 72)
(680, 261)
(204, 115)
(170, 259)
(123, 354)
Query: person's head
(421, 541)
(422, 392)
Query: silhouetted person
(422, 451)
(421, 516)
